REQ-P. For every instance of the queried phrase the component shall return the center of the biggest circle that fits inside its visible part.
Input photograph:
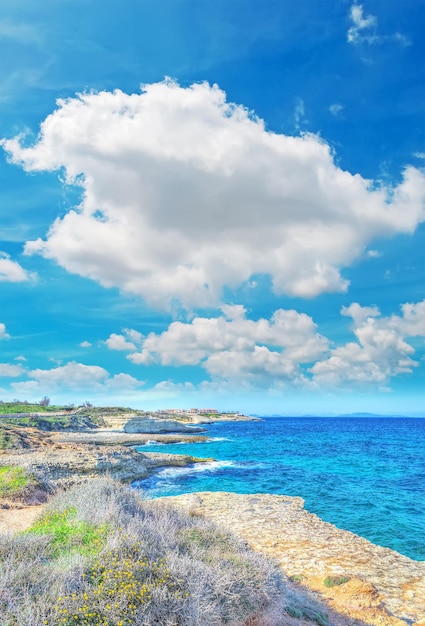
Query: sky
(213, 203)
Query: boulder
(154, 426)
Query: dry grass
(101, 556)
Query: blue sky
(213, 203)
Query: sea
(365, 475)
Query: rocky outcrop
(103, 437)
(65, 458)
(65, 467)
(382, 587)
(154, 426)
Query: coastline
(384, 587)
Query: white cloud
(336, 109)
(185, 193)
(85, 344)
(119, 342)
(75, 377)
(299, 114)
(402, 39)
(363, 28)
(70, 375)
(20, 358)
(3, 333)
(11, 271)
(234, 347)
(133, 335)
(412, 322)
(10, 371)
(21, 32)
(381, 351)
(168, 386)
(27, 387)
(374, 254)
(123, 382)
(280, 351)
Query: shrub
(101, 556)
(123, 587)
(305, 612)
(334, 581)
(296, 578)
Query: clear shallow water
(363, 475)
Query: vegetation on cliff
(14, 481)
(54, 422)
(127, 562)
(27, 407)
(20, 486)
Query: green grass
(54, 422)
(13, 481)
(24, 407)
(296, 578)
(310, 614)
(334, 581)
(70, 534)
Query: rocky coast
(381, 587)
(62, 459)
(357, 583)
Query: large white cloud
(288, 348)
(278, 344)
(233, 347)
(184, 192)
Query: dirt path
(17, 519)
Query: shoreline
(384, 585)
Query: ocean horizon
(363, 474)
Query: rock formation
(155, 426)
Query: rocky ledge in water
(158, 426)
(107, 437)
(371, 584)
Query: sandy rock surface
(385, 587)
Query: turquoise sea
(366, 475)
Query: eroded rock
(155, 426)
